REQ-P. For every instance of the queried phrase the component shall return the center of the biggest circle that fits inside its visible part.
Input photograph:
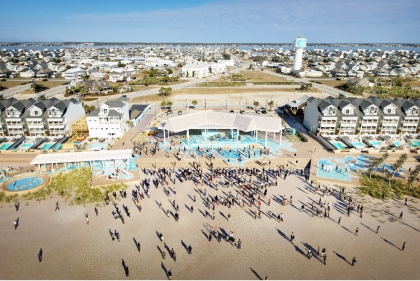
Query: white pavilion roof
(210, 119)
(82, 156)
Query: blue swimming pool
(25, 183)
(397, 143)
(5, 145)
(97, 146)
(376, 143)
(338, 145)
(328, 169)
(358, 144)
(415, 143)
(25, 146)
(232, 152)
(47, 145)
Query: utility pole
(226, 103)
(205, 103)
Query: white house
(72, 72)
(109, 120)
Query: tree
(226, 56)
(388, 175)
(194, 102)
(169, 103)
(256, 104)
(270, 104)
(163, 103)
(308, 85)
(413, 176)
(399, 163)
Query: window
(389, 110)
(347, 111)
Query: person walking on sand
(161, 237)
(357, 231)
(292, 238)
(15, 223)
(138, 246)
(339, 220)
(239, 244)
(401, 215)
(325, 259)
(377, 229)
(56, 206)
(189, 250)
(170, 274)
(87, 220)
(403, 246)
(353, 261)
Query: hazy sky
(259, 21)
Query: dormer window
(105, 110)
(347, 111)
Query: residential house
(109, 120)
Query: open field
(255, 76)
(201, 93)
(10, 84)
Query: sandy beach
(74, 250)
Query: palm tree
(194, 102)
(397, 165)
(374, 166)
(169, 103)
(163, 103)
(389, 175)
(256, 104)
(270, 104)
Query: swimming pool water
(338, 145)
(47, 145)
(5, 145)
(232, 151)
(25, 146)
(330, 172)
(97, 146)
(414, 143)
(376, 143)
(397, 143)
(358, 144)
(25, 183)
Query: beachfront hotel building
(109, 120)
(364, 116)
(50, 117)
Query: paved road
(53, 91)
(17, 89)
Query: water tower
(300, 44)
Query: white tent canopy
(221, 120)
(82, 156)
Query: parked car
(263, 108)
(258, 111)
(264, 111)
(192, 106)
(179, 112)
(232, 111)
(250, 107)
(151, 132)
(169, 111)
(241, 111)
